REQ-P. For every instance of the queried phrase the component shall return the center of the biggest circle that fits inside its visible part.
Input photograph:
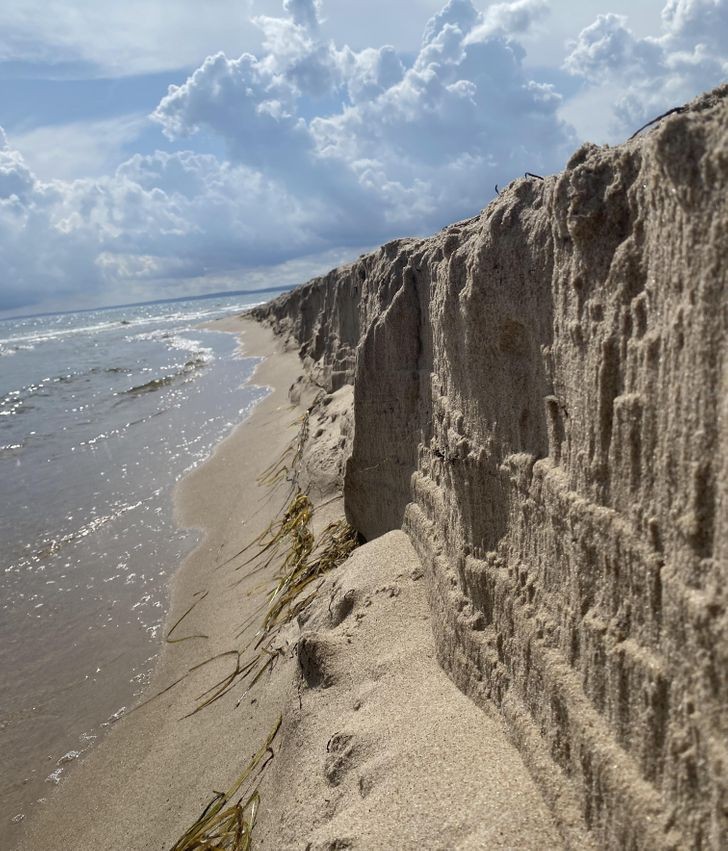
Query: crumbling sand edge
(540, 401)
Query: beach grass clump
(227, 824)
(306, 560)
(303, 559)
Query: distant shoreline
(222, 294)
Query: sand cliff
(540, 400)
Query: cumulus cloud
(80, 148)
(408, 147)
(331, 149)
(457, 13)
(654, 73)
(158, 218)
(16, 179)
(304, 13)
(511, 18)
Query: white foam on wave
(27, 340)
(14, 401)
(7, 350)
(175, 340)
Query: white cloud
(136, 36)
(634, 79)
(244, 101)
(692, 23)
(511, 18)
(329, 148)
(162, 217)
(304, 13)
(141, 36)
(79, 149)
(408, 148)
(16, 179)
(457, 13)
(370, 72)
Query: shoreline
(210, 500)
(90, 531)
(370, 722)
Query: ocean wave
(174, 340)
(11, 449)
(18, 401)
(150, 386)
(6, 349)
(200, 360)
(30, 340)
(39, 332)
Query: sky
(151, 149)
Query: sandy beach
(141, 787)
(377, 748)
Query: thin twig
(675, 111)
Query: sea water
(101, 413)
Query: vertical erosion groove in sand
(539, 401)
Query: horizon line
(221, 294)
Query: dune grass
(304, 560)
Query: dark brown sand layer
(377, 748)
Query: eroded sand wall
(541, 402)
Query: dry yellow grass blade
(304, 560)
(200, 596)
(290, 460)
(226, 826)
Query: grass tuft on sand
(304, 561)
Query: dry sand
(541, 404)
(378, 748)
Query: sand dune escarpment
(541, 403)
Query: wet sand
(149, 779)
